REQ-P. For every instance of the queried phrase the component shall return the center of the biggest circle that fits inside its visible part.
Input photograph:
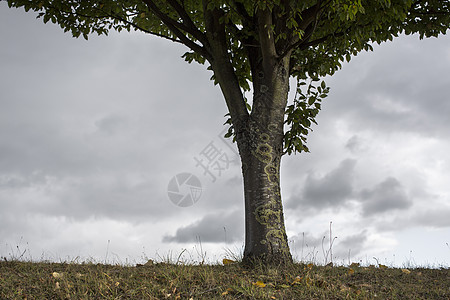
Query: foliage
(317, 35)
(302, 113)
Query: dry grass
(44, 280)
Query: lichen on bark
(269, 213)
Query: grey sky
(92, 132)
(332, 190)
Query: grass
(46, 280)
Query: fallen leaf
(57, 275)
(227, 291)
(351, 271)
(57, 285)
(227, 261)
(297, 280)
(259, 283)
(310, 266)
(406, 271)
(382, 266)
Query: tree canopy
(317, 35)
(321, 33)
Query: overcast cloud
(92, 132)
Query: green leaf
(228, 134)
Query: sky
(98, 138)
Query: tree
(257, 46)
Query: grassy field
(45, 280)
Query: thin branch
(176, 28)
(106, 15)
(309, 20)
(188, 22)
(241, 11)
(318, 41)
(144, 30)
(325, 4)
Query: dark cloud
(112, 197)
(384, 197)
(213, 228)
(356, 145)
(394, 92)
(350, 245)
(331, 190)
(430, 218)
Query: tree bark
(259, 135)
(261, 145)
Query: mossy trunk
(265, 235)
(260, 144)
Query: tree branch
(307, 22)
(240, 9)
(176, 28)
(119, 18)
(187, 21)
(266, 37)
(223, 68)
(142, 29)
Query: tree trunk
(259, 135)
(260, 144)
(265, 235)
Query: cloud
(408, 100)
(331, 190)
(213, 228)
(111, 124)
(437, 218)
(356, 145)
(431, 218)
(353, 243)
(385, 196)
